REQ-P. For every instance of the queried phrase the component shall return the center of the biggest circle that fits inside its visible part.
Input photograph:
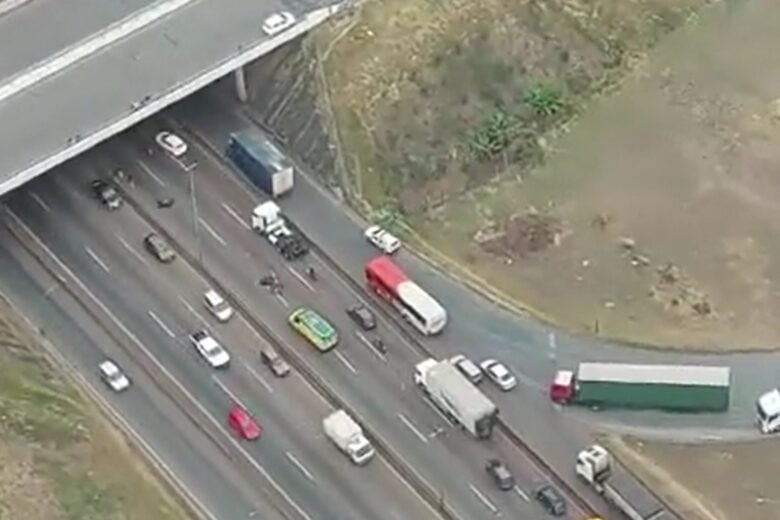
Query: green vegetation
(58, 457)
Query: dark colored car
(274, 362)
(159, 248)
(551, 500)
(106, 194)
(500, 474)
(361, 315)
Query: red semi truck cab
(562, 387)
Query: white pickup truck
(348, 436)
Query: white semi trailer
(456, 397)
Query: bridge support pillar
(241, 91)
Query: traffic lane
(358, 346)
(182, 365)
(161, 425)
(289, 421)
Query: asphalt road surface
(482, 329)
(168, 434)
(162, 305)
(379, 387)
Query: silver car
(113, 376)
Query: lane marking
(97, 259)
(233, 213)
(195, 313)
(132, 250)
(551, 341)
(300, 466)
(151, 174)
(412, 427)
(482, 498)
(258, 377)
(279, 489)
(300, 278)
(370, 346)
(161, 324)
(212, 232)
(283, 300)
(229, 392)
(346, 362)
(522, 493)
(37, 198)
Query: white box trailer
(348, 436)
(456, 397)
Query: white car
(499, 374)
(467, 367)
(382, 239)
(278, 22)
(217, 305)
(171, 143)
(212, 352)
(113, 376)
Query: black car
(500, 474)
(361, 315)
(106, 194)
(551, 500)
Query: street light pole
(194, 204)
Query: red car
(243, 424)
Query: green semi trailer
(684, 388)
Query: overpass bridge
(73, 73)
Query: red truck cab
(562, 387)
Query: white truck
(619, 488)
(348, 436)
(456, 397)
(768, 411)
(267, 220)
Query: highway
(161, 305)
(168, 435)
(379, 388)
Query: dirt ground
(59, 459)
(709, 482)
(647, 215)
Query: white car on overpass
(278, 22)
(383, 239)
(171, 143)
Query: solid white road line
(346, 362)
(151, 174)
(132, 250)
(522, 493)
(412, 427)
(161, 324)
(300, 466)
(258, 377)
(157, 363)
(212, 232)
(229, 392)
(40, 202)
(482, 498)
(233, 213)
(300, 278)
(97, 259)
(371, 347)
(195, 313)
(283, 300)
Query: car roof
(499, 369)
(109, 366)
(213, 297)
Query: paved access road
(482, 329)
(161, 304)
(203, 471)
(378, 387)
